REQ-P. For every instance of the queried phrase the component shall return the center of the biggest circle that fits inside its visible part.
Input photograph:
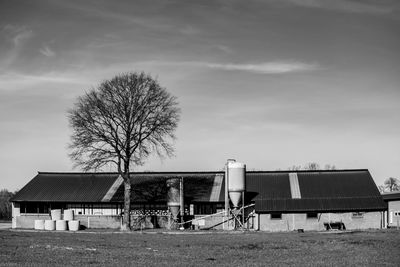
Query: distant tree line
(312, 166)
(5, 204)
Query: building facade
(275, 201)
(392, 215)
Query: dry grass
(369, 248)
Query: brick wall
(290, 222)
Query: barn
(271, 200)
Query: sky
(270, 83)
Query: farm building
(272, 201)
(392, 218)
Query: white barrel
(73, 225)
(68, 215)
(39, 224)
(56, 215)
(49, 225)
(61, 225)
(236, 181)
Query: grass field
(369, 248)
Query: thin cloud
(91, 10)
(273, 67)
(346, 6)
(17, 34)
(224, 48)
(267, 67)
(45, 50)
(15, 81)
(17, 37)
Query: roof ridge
(150, 172)
(201, 172)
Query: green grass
(369, 248)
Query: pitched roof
(279, 191)
(198, 187)
(319, 191)
(101, 187)
(66, 187)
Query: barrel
(39, 224)
(49, 225)
(68, 215)
(61, 225)
(56, 215)
(73, 225)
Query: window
(205, 208)
(312, 215)
(358, 214)
(43, 208)
(34, 207)
(276, 216)
(22, 207)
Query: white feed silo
(173, 195)
(236, 173)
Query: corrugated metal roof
(271, 191)
(198, 187)
(320, 191)
(294, 185)
(268, 185)
(66, 187)
(391, 195)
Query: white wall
(290, 222)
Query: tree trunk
(126, 220)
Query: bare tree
(295, 168)
(311, 166)
(329, 167)
(381, 188)
(392, 184)
(122, 122)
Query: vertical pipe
(243, 209)
(182, 207)
(226, 190)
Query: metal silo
(236, 181)
(173, 196)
